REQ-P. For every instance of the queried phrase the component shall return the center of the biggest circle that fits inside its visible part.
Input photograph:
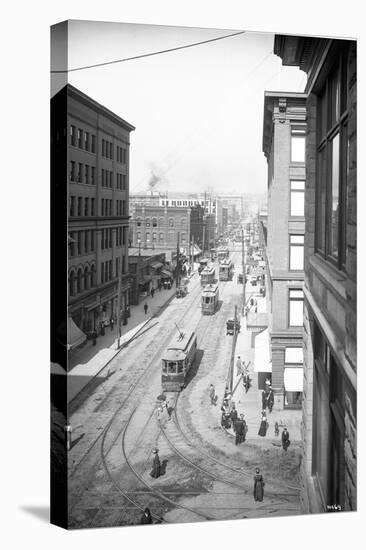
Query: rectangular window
(92, 209)
(72, 135)
(335, 198)
(297, 198)
(86, 241)
(80, 138)
(86, 141)
(72, 206)
(297, 146)
(72, 170)
(297, 252)
(103, 148)
(86, 174)
(92, 179)
(296, 307)
(92, 241)
(103, 177)
(80, 172)
(86, 206)
(80, 206)
(93, 143)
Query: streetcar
(208, 275)
(210, 299)
(226, 269)
(177, 361)
(223, 253)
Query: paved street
(204, 475)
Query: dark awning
(75, 336)
(157, 265)
(166, 273)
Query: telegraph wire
(147, 54)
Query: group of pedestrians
(242, 369)
(268, 397)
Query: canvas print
(203, 263)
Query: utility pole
(203, 240)
(243, 266)
(191, 259)
(119, 297)
(178, 264)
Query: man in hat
(239, 366)
(213, 396)
(155, 473)
(240, 432)
(285, 439)
(233, 417)
(270, 399)
(146, 518)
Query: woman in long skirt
(263, 426)
(258, 490)
(156, 465)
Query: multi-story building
(284, 127)
(98, 189)
(329, 470)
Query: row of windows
(107, 178)
(81, 206)
(121, 182)
(82, 173)
(121, 155)
(154, 237)
(107, 149)
(106, 238)
(185, 203)
(81, 242)
(106, 207)
(82, 139)
(154, 222)
(121, 208)
(82, 279)
(106, 271)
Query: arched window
(154, 222)
(86, 278)
(79, 281)
(183, 222)
(72, 283)
(138, 222)
(147, 221)
(171, 222)
(161, 237)
(147, 237)
(161, 221)
(154, 237)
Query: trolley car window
(180, 366)
(172, 367)
(165, 366)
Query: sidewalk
(85, 363)
(250, 403)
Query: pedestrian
(239, 366)
(240, 431)
(152, 293)
(258, 491)
(226, 392)
(102, 329)
(145, 307)
(270, 399)
(268, 383)
(233, 417)
(159, 286)
(277, 429)
(169, 410)
(111, 323)
(146, 518)
(213, 396)
(285, 439)
(155, 472)
(164, 406)
(263, 425)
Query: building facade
(329, 472)
(284, 127)
(98, 198)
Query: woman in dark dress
(264, 425)
(258, 491)
(146, 518)
(156, 465)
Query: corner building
(98, 197)
(284, 127)
(329, 466)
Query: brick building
(284, 126)
(329, 407)
(98, 184)
(147, 268)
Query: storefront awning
(196, 250)
(75, 336)
(145, 279)
(262, 359)
(157, 265)
(293, 378)
(166, 273)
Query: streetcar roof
(179, 346)
(210, 289)
(208, 269)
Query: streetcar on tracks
(208, 275)
(210, 299)
(226, 269)
(203, 264)
(223, 253)
(177, 360)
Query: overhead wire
(55, 71)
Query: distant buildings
(284, 129)
(329, 465)
(98, 197)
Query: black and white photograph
(204, 274)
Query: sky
(198, 112)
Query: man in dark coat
(270, 399)
(155, 472)
(145, 307)
(264, 400)
(146, 518)
(285, 439)
(234, 417)
(241, 430)
(258, 491)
